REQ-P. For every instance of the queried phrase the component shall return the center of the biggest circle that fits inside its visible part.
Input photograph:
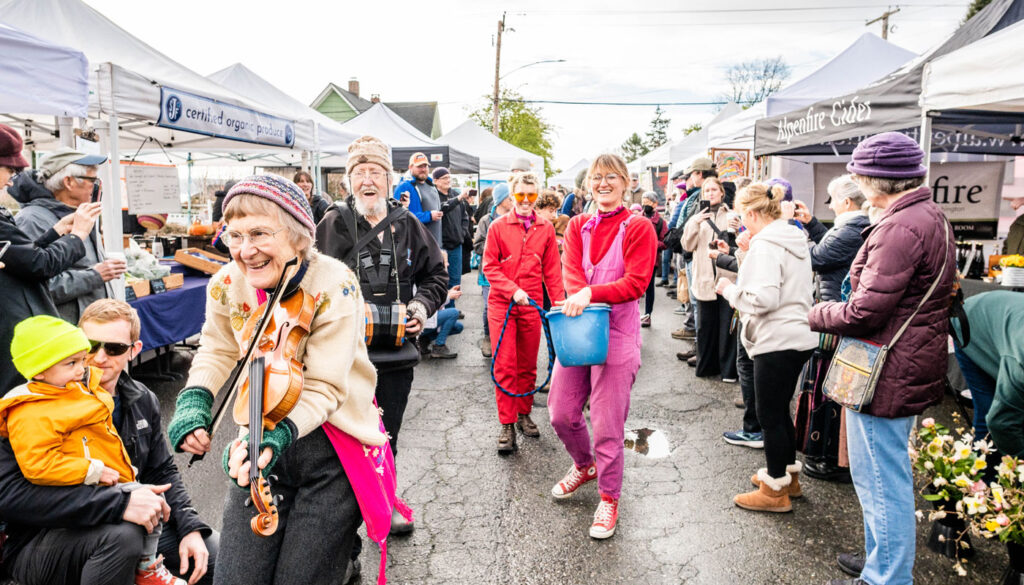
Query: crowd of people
(763, 289)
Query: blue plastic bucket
(581, 340)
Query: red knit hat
(10, 148)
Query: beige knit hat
(368, 149)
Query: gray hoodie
(774, 291)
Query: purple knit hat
(889, 155)
(279, 190)
(785, 185)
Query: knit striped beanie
(281, 191)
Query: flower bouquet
(952, 470)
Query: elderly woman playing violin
(269, 223)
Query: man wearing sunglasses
(66, 180)
(93, 526)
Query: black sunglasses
(112, 348)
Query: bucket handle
(547, 336)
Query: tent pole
(111, 214)
(926, 143)
(188, 188)
(67, 131)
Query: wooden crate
(141, 288)
(174, 280)
(200, 260)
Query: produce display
(142, 264)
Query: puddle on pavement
(648, 442)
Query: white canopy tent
(41, 77)
(567, 178)
(866, 60)
(495, 154)
(693, 145)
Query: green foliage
(975, 7)
(633, 148)
(696, 127)
(658, 133)
(519, 123)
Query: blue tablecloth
(172, 316)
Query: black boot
(824, 470)
(507, 439)
(849, 563)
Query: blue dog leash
(551, 349)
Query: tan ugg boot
(771, 496)
(794, 470)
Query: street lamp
(497, 78)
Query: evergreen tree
(633, 148)
(658, 133)
(975, 7)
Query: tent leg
(66, 130)
(926, 143)
(111, 215)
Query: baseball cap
(418, 159)
(65, 156)
(701, 164)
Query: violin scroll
(264, 523)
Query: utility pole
(497, 70)
(885, 21)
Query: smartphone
(97, 192)
(3, 247)
(705, 205)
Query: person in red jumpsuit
(520, 258)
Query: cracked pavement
(483, 519)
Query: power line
(725, 10)
(645, 104)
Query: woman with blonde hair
(609, 258)
(773, 297)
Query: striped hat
(281, 191)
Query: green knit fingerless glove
(278, 440)
(192, 411)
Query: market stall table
(173, 316)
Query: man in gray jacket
(65, 180)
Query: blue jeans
(447, 324)
(666, 264)
(454, 270)
(485, 291)
(880, 466)
(691, 318)
(983, 390)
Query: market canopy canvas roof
(864, 61)
(125, 78)
(836, 125)
(40, 77)
(982, 78)
(404, 140)
(495, 154)
(567, 177)
(333, 139)
(691, 146)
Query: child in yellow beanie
(61, 425)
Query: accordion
(385, 325)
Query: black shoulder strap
(361, 242)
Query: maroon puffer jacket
(901, 257)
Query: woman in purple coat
(910, 247)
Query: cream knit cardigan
(339, 378)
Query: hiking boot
(684, 333)
(576, 477)
(526, 424)
(851, 564)
(662, 283)
(794, 486)
(399, 525)
(507, 439)
(156, 574)
(685, 355)
(605, 517)
(645, 320)
(692, 362)
(442, 352)
(671, 293)
(744, 439)
(771, 496)
(738, 403)
(485, 347)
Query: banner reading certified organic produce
(967, 192)
(186, 111)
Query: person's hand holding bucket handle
(574, 305)
(520, 297)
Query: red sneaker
(605, 517)
(576, 477)
(156, 574)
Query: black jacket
(320, 206)
(833, 253)
(455, 223)
(29, 263)
(420, 264)
(27, 508)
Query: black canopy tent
(836, 126)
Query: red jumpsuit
(519, 258)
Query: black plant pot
(947, 534)
(1014, 574)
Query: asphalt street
(482, 518)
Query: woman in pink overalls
(608, 258)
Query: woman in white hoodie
(773, 297)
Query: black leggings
(775, 377)
(716, 345)
(649, 297)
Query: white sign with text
(152, 189)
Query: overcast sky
(641, 51)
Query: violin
(273, 384)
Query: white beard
(379, 209)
